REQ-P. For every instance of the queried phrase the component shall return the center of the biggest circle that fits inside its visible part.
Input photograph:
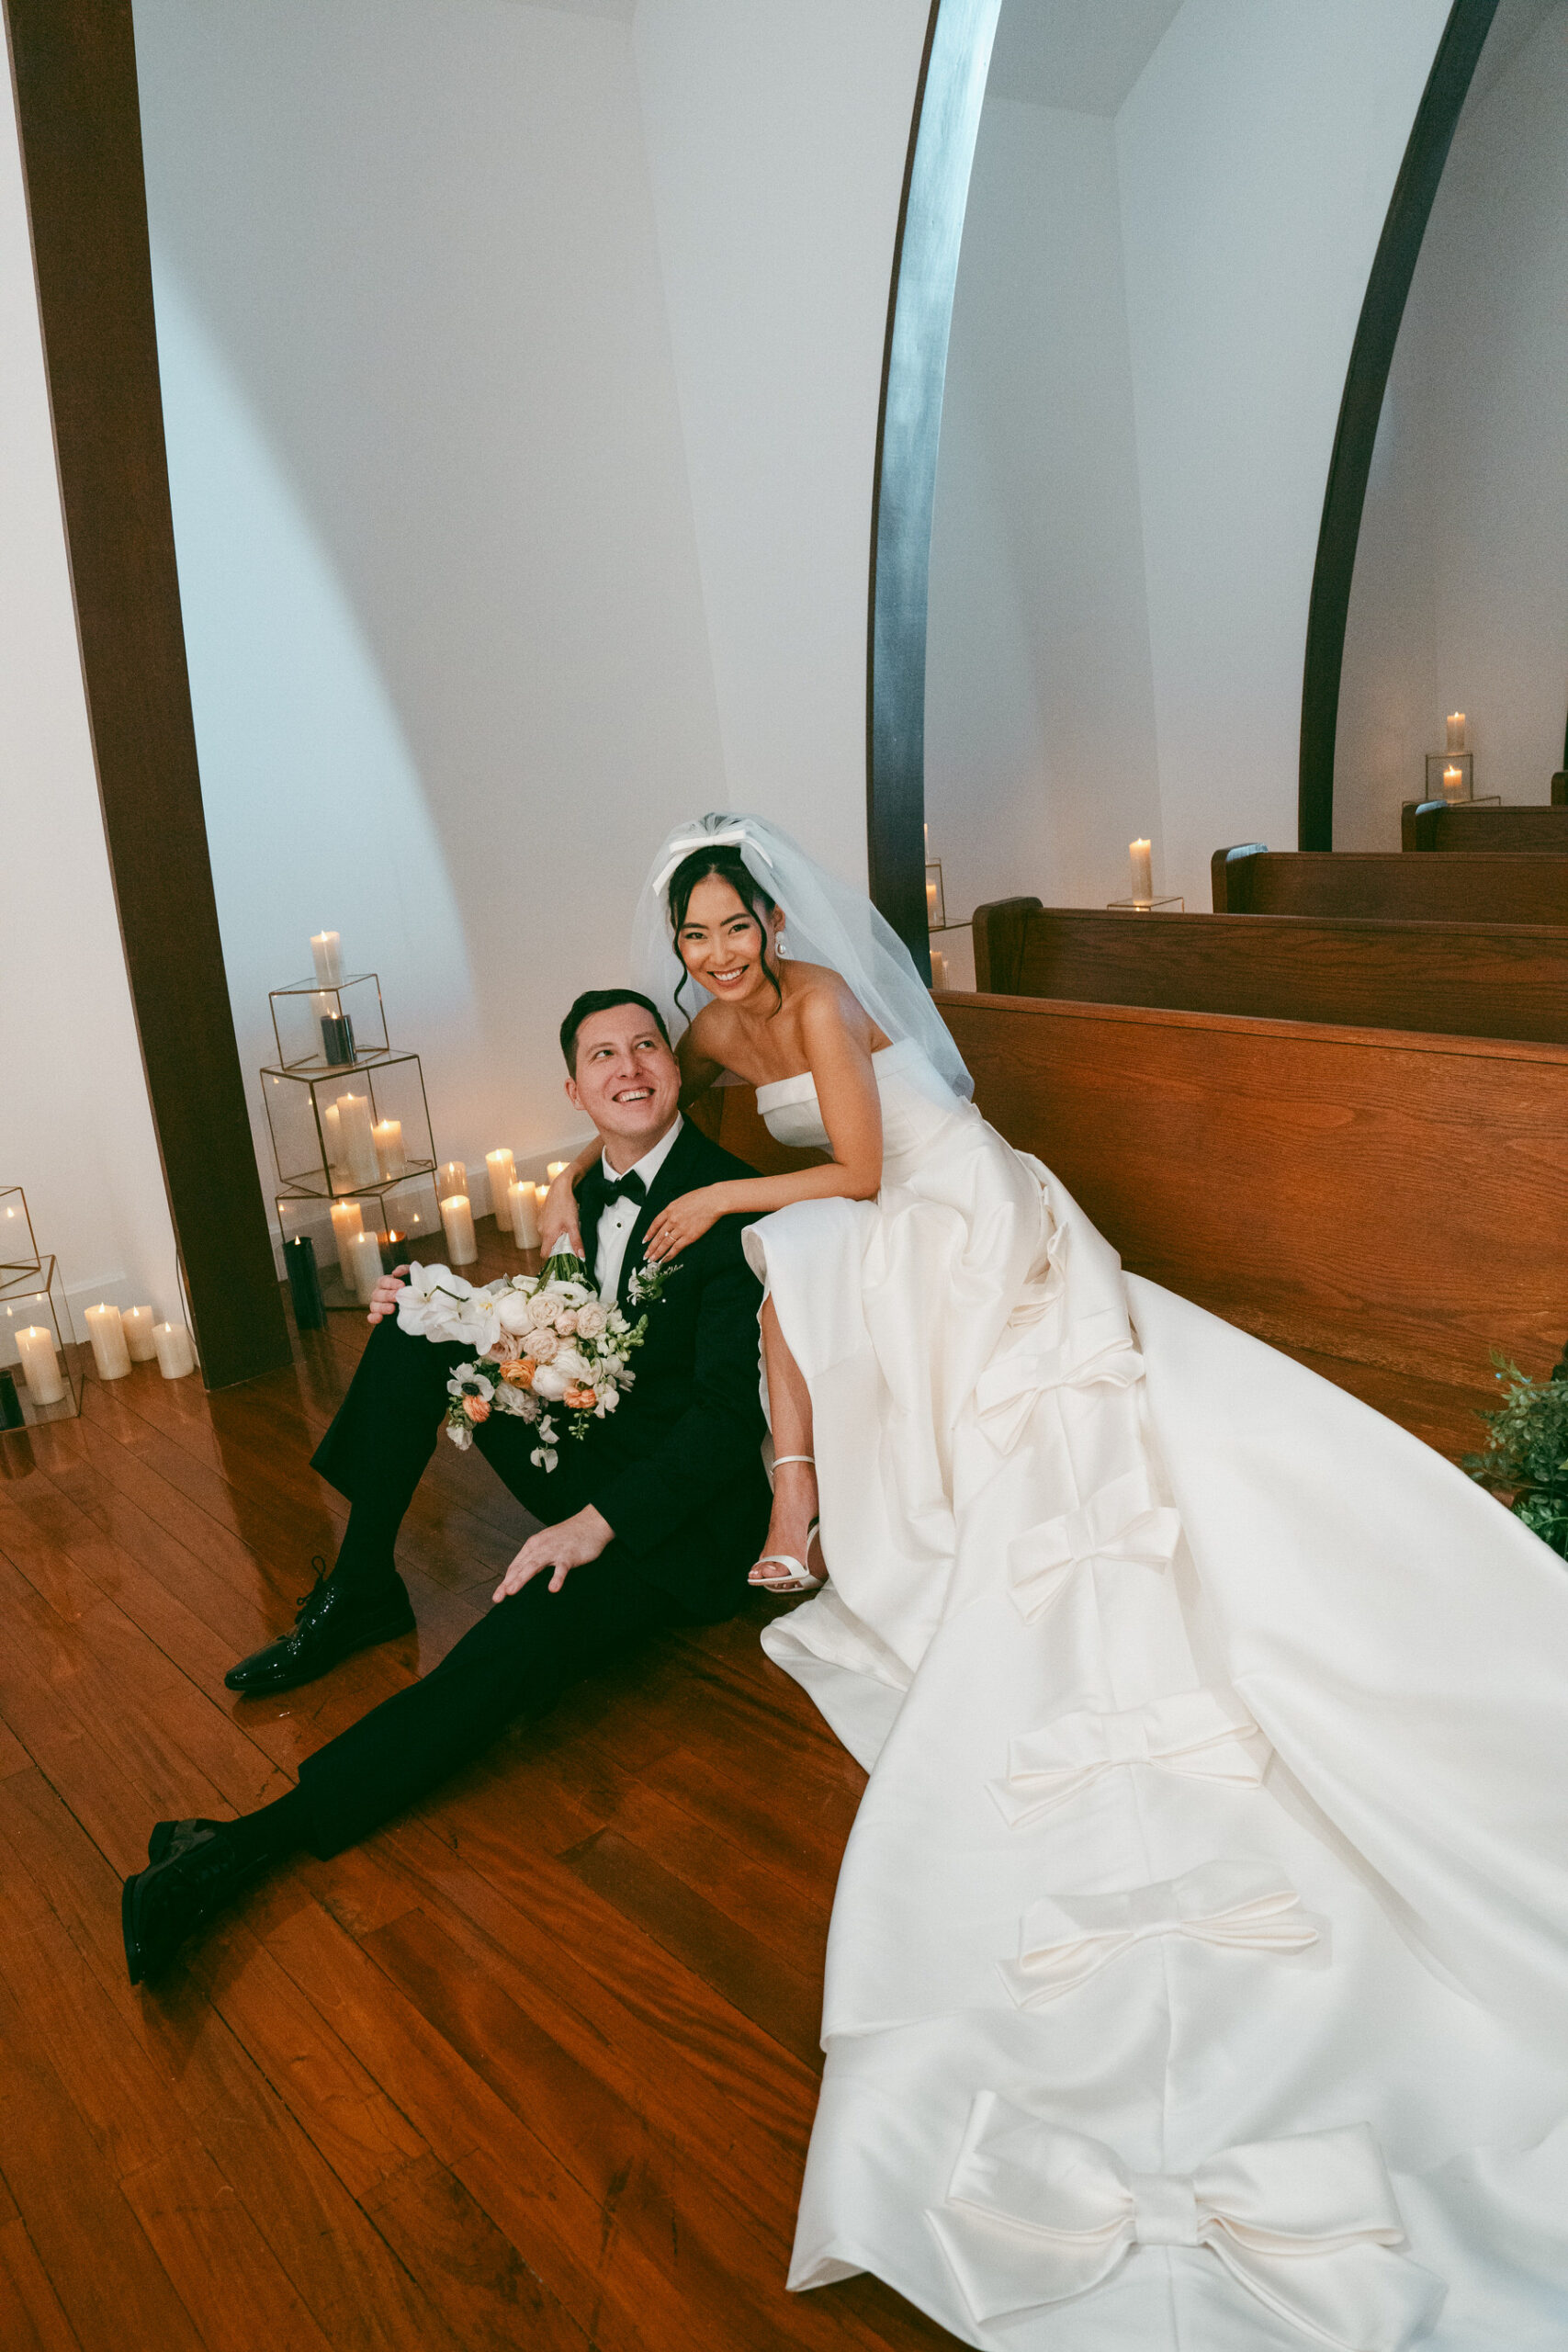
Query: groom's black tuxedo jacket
(677, 1468)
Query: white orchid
(435, 1304)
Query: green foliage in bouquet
(1525, 1461)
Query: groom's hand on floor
(570, 1545)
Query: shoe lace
(303, 1600)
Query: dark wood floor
(536, 2066)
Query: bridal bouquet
(544, 1343)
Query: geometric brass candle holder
(321, 1029)
(406, 1207)
(19, 1250)
(35, 1299)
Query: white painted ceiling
(1084, 55)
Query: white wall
(1257, 157)
(1154, 320)
(777, 139)
(448, 659)
(522, 390)
(1460, 592)
(1039, 739)
(75, 1129)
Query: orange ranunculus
(518, 1376)
(476, 1409)
(579, 1398)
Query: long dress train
(1197, 1979)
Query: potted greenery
(1526, 1460)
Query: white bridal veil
(826, 921)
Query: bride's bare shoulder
(824, 1002)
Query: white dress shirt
(615, 1225)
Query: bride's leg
(795, 1482)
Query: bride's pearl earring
(781, 944)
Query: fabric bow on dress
(1125, 1520)
(1307, 2226)
(1207, 1733)
(1240, 1906)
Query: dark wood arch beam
(74, 65)
(1371, 355)
(948, 98)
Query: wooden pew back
(1463, 979)
(1395, 1200)
(1473, 885)
(1470, 824)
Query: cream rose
(591, 1321)
(565, 1323)
(542, 1345)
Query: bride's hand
(683, 1221)
(558, 1218)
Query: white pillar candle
(325, 952)
(1456, 730)
(137, 1324)
(391, 1155)
(35, 1346)
(175, 1354)
(451, 1177)
(522, 1212)
(1453, 783)
(1142, 869)
(458, 1223)
(331, 1133)
(938, 968)
(348, 1218)
(358, 1140)
(364, 1264)
(554, 1168)
(111, 1353)
(502, 1175)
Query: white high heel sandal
(800, 1579)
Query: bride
(1197, 1979)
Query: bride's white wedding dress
(1197, 1979)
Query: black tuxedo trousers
(699, 1412)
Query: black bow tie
(629, 1187)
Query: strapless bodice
(917, 1104)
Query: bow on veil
(1307, 2226)
(724, 837)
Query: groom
(654, 1518)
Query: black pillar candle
(304, 1287)
(337, 1039)
(11, 1414)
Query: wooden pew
(1388, 1206)
(1467, 885)
(1459, 980)
(1471, 824)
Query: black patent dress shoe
(173, 1836)
(334, 1620)
(171, 1899)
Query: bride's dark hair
(727, 865)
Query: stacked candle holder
(38, 1379)
(351, 1137)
